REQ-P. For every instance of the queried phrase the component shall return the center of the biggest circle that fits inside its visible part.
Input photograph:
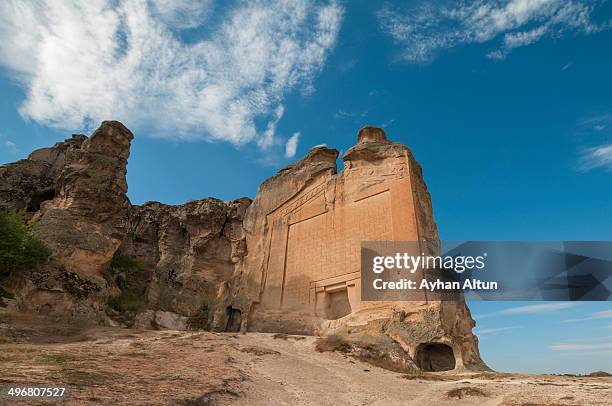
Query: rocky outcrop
(302, 274)
(112, 258)
(286, 262)
(87, 219)
(181, 258)
(76, 192)
(26, 184)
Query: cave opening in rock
(38, 198)
(234, 318)
(434, 357)
(338, 304)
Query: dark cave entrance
(234, 319)
(338, 304)
(38, 198)
(434, 357)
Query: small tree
(20, 249)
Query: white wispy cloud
(605, 314)
(10, 146)
(581, 347)
(268, 138)
(181, 14)
(600, 353)
(539, 308)
(426, 27)
(494, 330)
(83, 62)
(344, 114)
(595, 133)
(596, 157)
(529, 309)
(350, 114)
(587, 339)
(291, 145)
(597, 122)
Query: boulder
(170, 321)
(145, 320)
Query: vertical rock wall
(287, 262)
(302, 273)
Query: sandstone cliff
(286, 262)
(112, 258)
(302, 273)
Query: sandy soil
(118, 366)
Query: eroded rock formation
(286, 262)
(302, 274)
(184, 258)
(109, 257)
(76, 191)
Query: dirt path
(115, 366)
(301, 376)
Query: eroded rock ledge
(286, 262)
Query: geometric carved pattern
(328, 245)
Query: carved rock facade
(286, 262)
(302, 274)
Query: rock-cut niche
(435, 357)
(338, 304)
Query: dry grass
(259, 351)
(333, 343)
(115, 364)
(285, 337)
(466, 391)
(427, 376)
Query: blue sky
(506, 104)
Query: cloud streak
(529, 309)
(581, 347)
(426, 28)
(595, 134)
(10, 146)
(494, 330)
(83, 62)
(605, 314)
(599, 157)
(539, 308)
(291, 146)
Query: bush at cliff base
(20, 249)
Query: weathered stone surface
(86, 220)
(170, 321)
(76, 192)
(144, 320)
(302, 274)
(178, 259)
(160, 320)
(26, 184)
(186, 255)
(286, 262)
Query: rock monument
(286, 262)
(303, 233)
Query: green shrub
(20, 249)
(130, 275)
(126, 302)
(125, 263)
(199, 321)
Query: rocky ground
(120, 366)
